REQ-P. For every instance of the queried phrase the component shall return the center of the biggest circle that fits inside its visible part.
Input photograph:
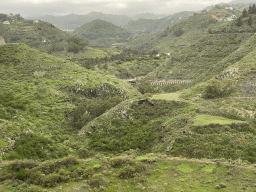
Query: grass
(209, 119)
(95, 164)
(168, 96)
(140, 158)
(164, 165)
(208, 168)
(3, 143)
(188, 168)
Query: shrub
(178, 32)
(218, 88)
(35, 146)
(97, 180)
(21, 174)
(18, 165)
(52, 180)
(117, 161)
(127, 172)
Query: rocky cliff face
(1, 40)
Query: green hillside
(195, 61)
(102, 33)
(174, 38)
(42, 96)
(170, 111)
(156, 25)
(42, 36)
(224, 45)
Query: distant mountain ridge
(157, 25)
(73, 21)
(102, 33)
(148, 16)
(242, 1)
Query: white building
(6, 23)
(229, 8)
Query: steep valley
(169, 111)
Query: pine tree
(245, 14)
(250, 20)
(250, 11)
(254, 9)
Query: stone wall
(1, 40)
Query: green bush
(218, 88)
(35, 146)
(21, 174)
(97, 180)
(23, 164)
(117, 162)
(127, 172)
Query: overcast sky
(121, 7)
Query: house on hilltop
(36, 21)
(6, 23)
(2, 40)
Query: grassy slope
(42, 89)
(200, 57)
(211, 54)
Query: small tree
(250, 11)
(178, 32)
(245, 13)
(239, 22)
(250, 20)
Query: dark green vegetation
(68, 124)
(102, 33)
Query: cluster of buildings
(232, 17)
(8, 22)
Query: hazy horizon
(31, 8)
